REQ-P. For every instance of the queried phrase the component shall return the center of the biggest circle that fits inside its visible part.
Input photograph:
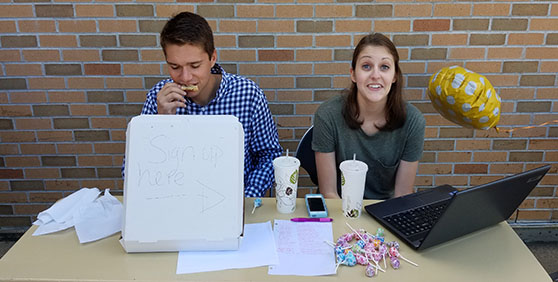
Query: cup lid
(353, 165)
(286, 161)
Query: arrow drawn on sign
(214, 198)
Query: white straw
(287, 152)
(400, 256)
(331, 244)
(354, 157)
(385, 266)
(358, 234)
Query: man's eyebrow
(189, 63)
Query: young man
(199, 86)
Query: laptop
(428, 218)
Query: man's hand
(169, 98)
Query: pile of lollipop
(369, 250)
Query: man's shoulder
(239, 82)
(157, 86)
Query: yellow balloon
(465, 97)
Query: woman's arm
(405, 178)
(327, 174)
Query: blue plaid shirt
(242, 98)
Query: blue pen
(306, 219)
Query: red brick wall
(73, 74)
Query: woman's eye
(366, 67)
(385, 67)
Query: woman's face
(374, 74)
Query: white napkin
(99, 219)
(60, 216)
(94, 217)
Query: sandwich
(189, 87)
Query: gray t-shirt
(381, 152)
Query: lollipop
(376, 263)
(368, 250)
(361, 243)
(394, 262)
(370, 270)
(383, 250)
(361, 259)
(347, 237)
(356, 249)
(257, 204)
(356, 232)
(350, 258)
(380, 234)
(393, 252)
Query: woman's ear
(352, 75)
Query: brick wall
(74, 73)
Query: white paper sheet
(302, 248)
(256, 249)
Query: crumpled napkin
(92, 216)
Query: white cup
(353, 178)
(286, 182)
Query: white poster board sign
(184, 183)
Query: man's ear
(213, 58)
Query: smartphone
(316, 205)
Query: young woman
(372, 121)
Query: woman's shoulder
(412, 110)
(334, 103)
(414, 114)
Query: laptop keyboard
(418, 220)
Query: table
(492, 254)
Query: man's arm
(263, 149)
(149, 108)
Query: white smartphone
(316, 205)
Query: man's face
(191, 65)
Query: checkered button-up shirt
(242, 98)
